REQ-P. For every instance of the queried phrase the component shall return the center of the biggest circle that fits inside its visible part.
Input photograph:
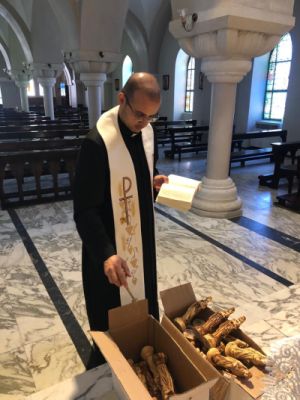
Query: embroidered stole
(125, 200)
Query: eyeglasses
(139, 114)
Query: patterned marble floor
(237, 263)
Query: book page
(182, 181)
(179, 197)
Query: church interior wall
(10, 94)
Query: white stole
(125, 199)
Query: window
(1, 102)
(31, 89)
(190, 80)
(127, 69)
(278, 79)
(62, 86)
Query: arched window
(190, 82)
(278, 79)
(127, 69)
(62, 87)
(31, 89)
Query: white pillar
(218, 195)
(47, 84)
(22, 85)
(93, 83)
(72, 95)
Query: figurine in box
(242, 351)
(193, 310)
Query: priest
(113, 203)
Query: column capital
(225, 71)
(87, 61)
(93, 78)
(47, 82)
(20, 75)
(230, 28)
(46, 70)
(22, 84)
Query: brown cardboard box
(175, 301)
(131, 328)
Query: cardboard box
(176, 301)
(130, 329)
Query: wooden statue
(213, 339)
(230, 364)
(166, 381)
(147, 355)
(213, 321)
(137, 369)
(152, 387)
(191, 313)
(242, 351)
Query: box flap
(121, 316)
(125, 375)
(177, 299)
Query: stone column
(94, 84)
(22, 78)
(46, 75)
(22, 85)
(226, 35)
(218, 195)
(47, 84)
(93, 67)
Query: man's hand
(116, 270)
(158, 180)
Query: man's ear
(121, 98)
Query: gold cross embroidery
(126, 198)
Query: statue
(232, 365)
(213, 321)
(166, 381)
(191, 312)
(242, 351)
(147, 355)
(152, 387)
(213, 339)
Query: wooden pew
(254, 153)
(187, 140)
(292, 200)
(162, 129)
(47, 134)
(280, 151)
(39, 162)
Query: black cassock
(95, 224)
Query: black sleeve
(155, 170)
(90, 191)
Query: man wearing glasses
(113, 203)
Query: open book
(178, 193)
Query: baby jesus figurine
(191, 313)
(230, 364)
(242, 351)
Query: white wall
(10, 95)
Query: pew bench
(187, 140)
(254, 153)
(281, 170)
(53, 163)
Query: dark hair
(145, 83)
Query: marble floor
(251, 263)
